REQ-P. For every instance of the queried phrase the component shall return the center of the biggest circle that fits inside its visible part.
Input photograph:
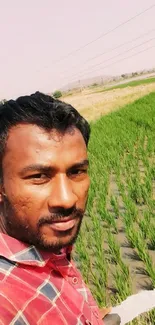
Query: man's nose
(62, 194)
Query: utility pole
(80, 85)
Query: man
(43, 194)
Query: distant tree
(57, 94)
(134, 74)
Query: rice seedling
(122, 145)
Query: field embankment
(116, 247)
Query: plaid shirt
(42, 288)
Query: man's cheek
(22, 205)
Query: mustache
(59, 214)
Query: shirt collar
(19, 252)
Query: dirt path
(94, 105)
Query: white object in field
(135, 305)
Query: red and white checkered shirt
(42, 288)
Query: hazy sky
(36, 35)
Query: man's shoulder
(9, 277)
(6, 266)
(7, 286)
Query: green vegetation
(133, 83)
(57, 94)
(94, 85)
(121, 201)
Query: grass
(121, 201)
(133, 83)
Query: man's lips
(63, 225)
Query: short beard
(22, 231)
(42, 244)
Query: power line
(117, 47)
(103, 34)
(109, 50)
(113, 57)
(128, 57)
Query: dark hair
(43, 111)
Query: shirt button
(75, 280)
(87, 322)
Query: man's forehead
(28, 144)
(33, 134)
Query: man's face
(45, 186)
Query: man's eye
(37, 176)
(40, 176)
(78, 172)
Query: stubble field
(94, 102)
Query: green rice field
(115, 250)
(132, 83)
